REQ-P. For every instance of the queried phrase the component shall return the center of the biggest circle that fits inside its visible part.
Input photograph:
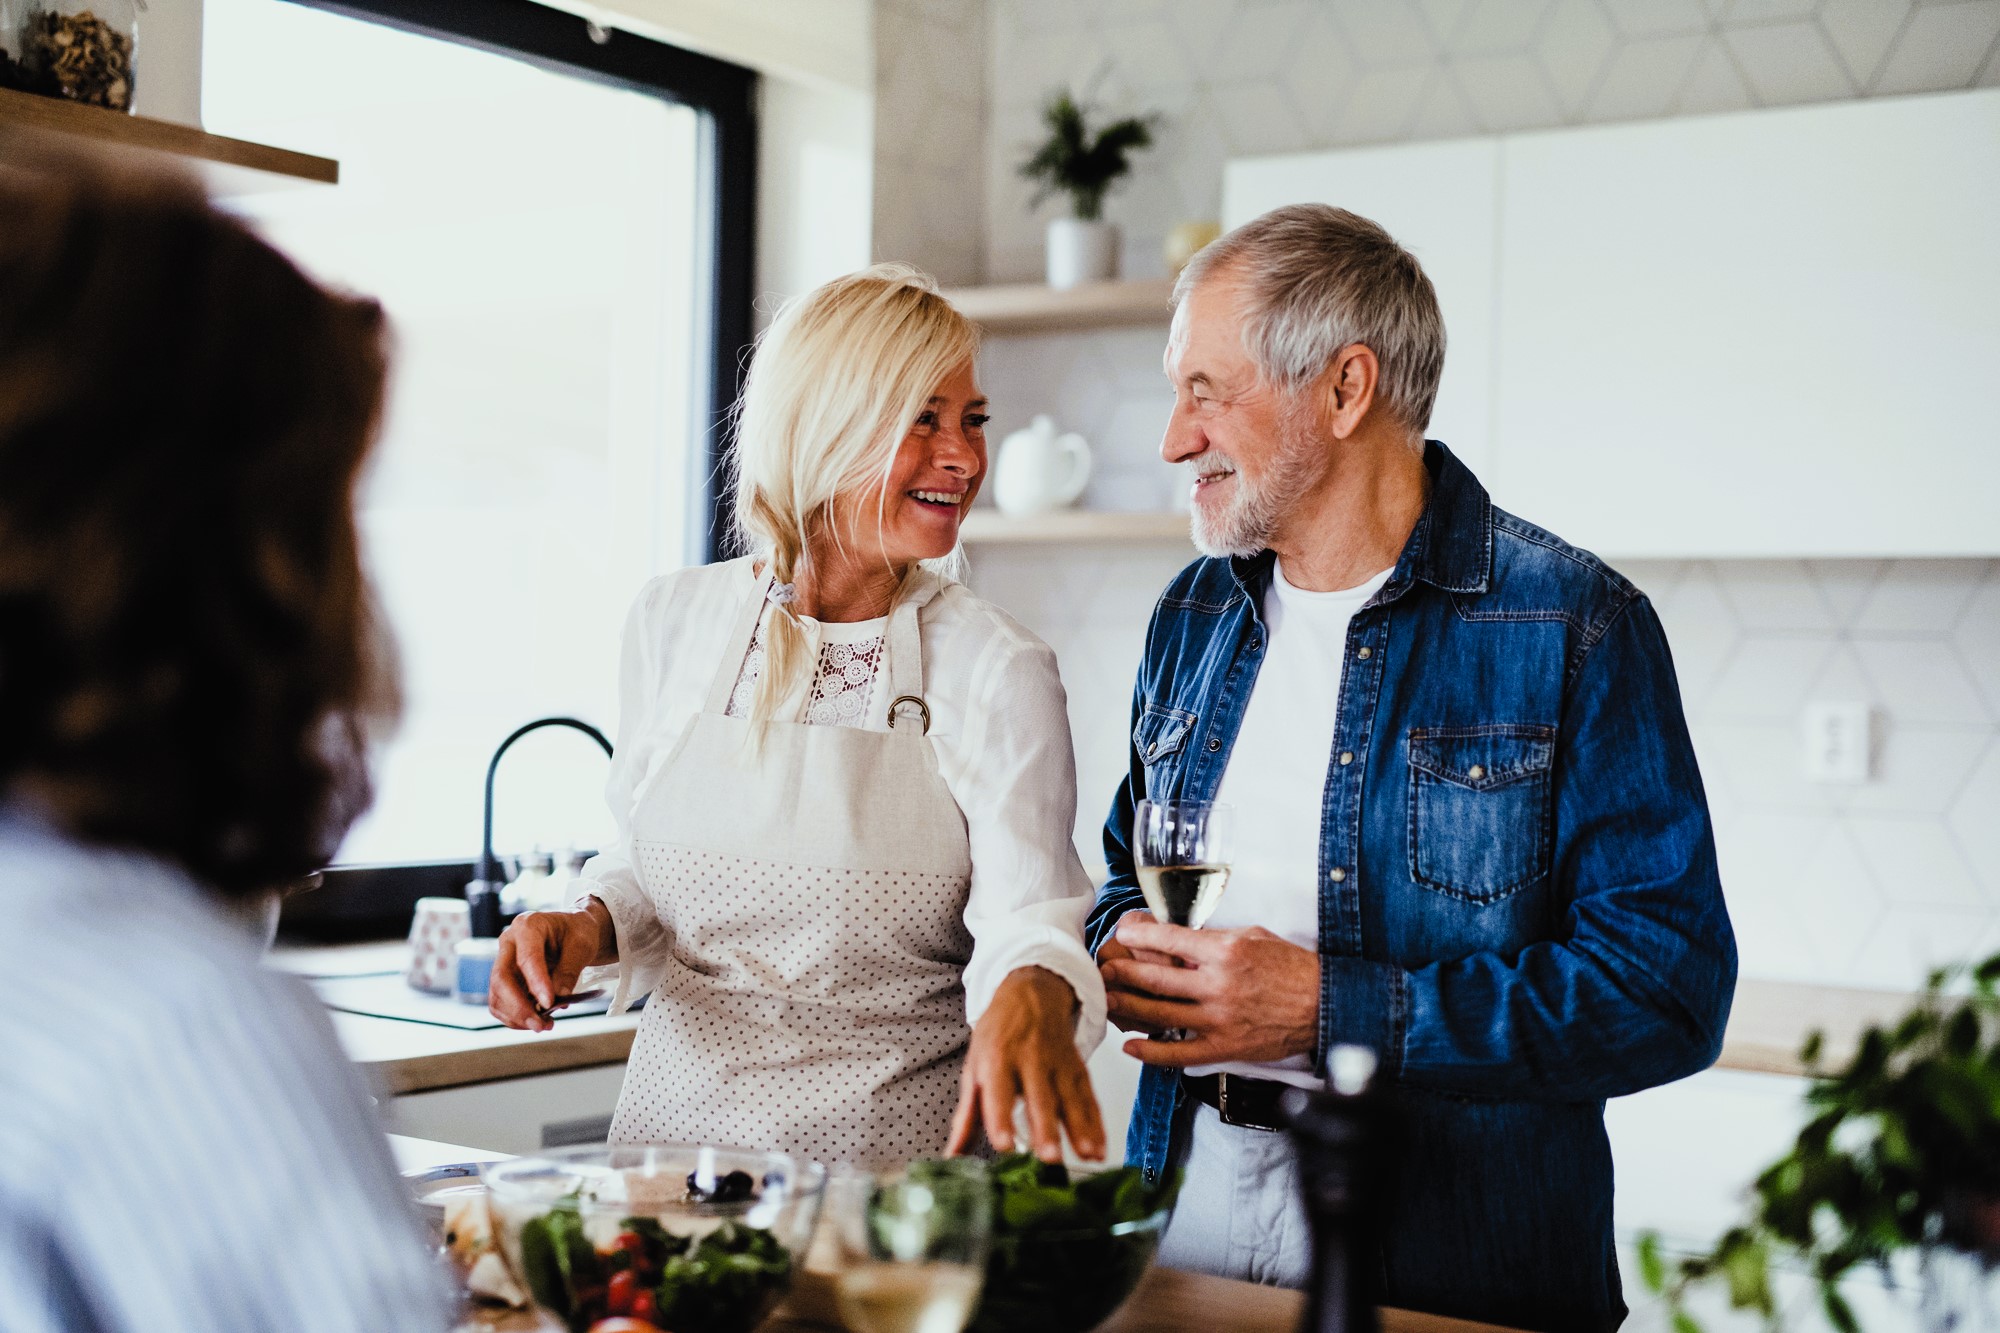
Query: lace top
(850, 658)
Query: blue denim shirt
(1518, 901)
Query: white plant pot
(1081, 252)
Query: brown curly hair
(190, 664)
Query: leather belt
(1249, 1102)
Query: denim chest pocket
(1479, 808)
(1159, 739)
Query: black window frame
(370, 901)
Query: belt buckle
(1222, 1103)
(1223, 1112)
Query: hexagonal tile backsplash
(1867, 885)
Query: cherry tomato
(643, 1305)
(621, 1324)
(618, 1293)
(631, 1242)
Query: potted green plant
(1085, 166)
(1901, 1158)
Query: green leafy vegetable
(726, 1284)
(1065, 1252)
(561, 1266)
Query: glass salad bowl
(688, 1238)
(1068, 1246)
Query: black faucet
(483, 894)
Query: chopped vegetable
(725, 1282)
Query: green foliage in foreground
(1902, 1151)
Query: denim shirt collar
(1451, 548)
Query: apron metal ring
(922, 707)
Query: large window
(544, 244)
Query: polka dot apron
(815, 894)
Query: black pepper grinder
(1337, 1135)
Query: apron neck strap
(737, 647)
(902, 639)
(906, 647)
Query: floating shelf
(990, 527)
(1034, 308)
(225, 166)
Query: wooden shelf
(1033, 308)
(990, 527)
(225, 166)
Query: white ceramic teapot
(1040, 470)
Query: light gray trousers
(1241, 1213)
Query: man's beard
(1250, 521)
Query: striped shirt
(182, 1144)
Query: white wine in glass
(888, 1297)
(1180, 853)
(1183, 895)
(912, 1245)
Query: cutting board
(387, 995)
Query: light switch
(1837, 741)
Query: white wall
(815, 188)
(167, 62)
(930, 135)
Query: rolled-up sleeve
(645, 942)
(1017, 790)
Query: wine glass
(912, 1246)
(1180, 851)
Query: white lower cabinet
(513, 1115)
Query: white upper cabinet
(1760, 334)
(1439, 200)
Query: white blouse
(850, 659)
(999, 725)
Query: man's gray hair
(1316, 279)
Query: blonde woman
(844, 787)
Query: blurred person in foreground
(187, 673)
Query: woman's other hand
(541, 956)
(1025, 1047)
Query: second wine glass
(912, 1246)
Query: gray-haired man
(1471, 833)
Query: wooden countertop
(418, 1057)
(1170, 1301)
(1166, 1301)
(1770, 1020)
(1767, 1023)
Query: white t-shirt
(1276, 778)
